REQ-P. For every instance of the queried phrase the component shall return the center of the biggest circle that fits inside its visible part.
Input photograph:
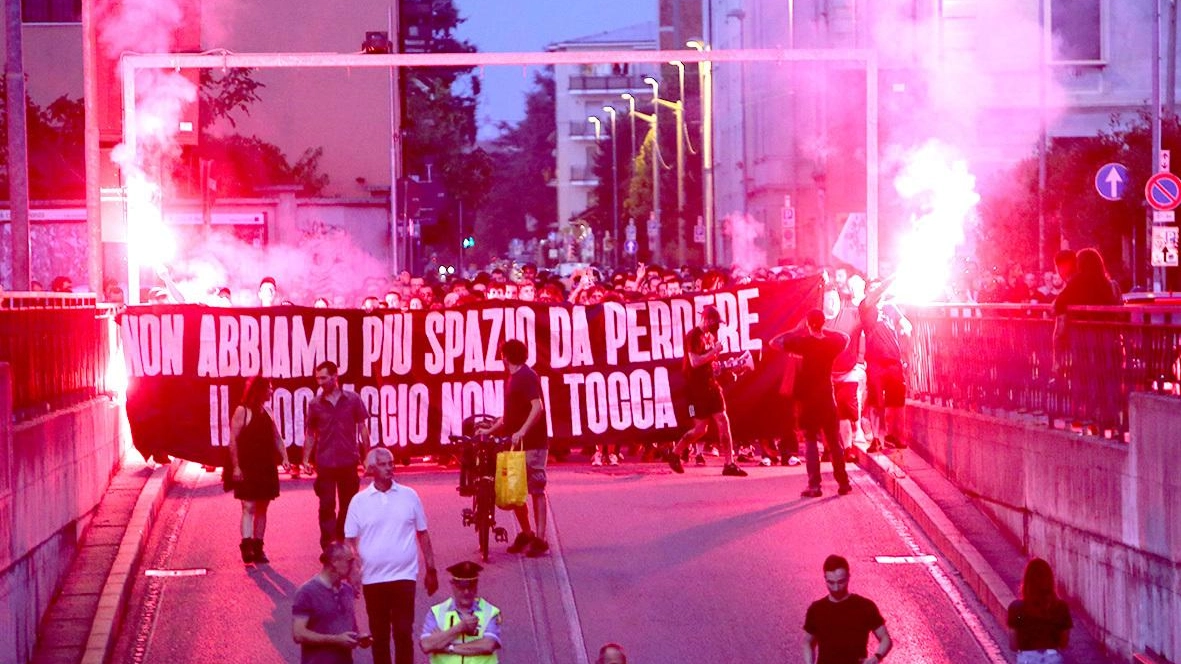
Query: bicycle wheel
(484, 515)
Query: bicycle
(477, 479)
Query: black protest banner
(609, 372)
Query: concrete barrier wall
(1107, 516)
(53, 473)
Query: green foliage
(222, 94)
(240, 163)
(55, 149)
(1074, 211)
(523, 167)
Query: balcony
(582, 131)
(583, 177)
(609, 83)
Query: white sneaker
(597, 459)
(793, 461)
(766, 461)
(612, 460)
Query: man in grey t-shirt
(337, 434)
(323, 615)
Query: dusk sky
(530, 25)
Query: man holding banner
(706, 401)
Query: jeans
(390, 606)
(1039, 657)
(331, 483)
(814, 422)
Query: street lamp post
(631, 111)
(705, 80)
(679, 109)
(656, 250)
(614, 188)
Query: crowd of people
(847, 355)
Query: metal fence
(58, 348)
(989, 358)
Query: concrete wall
(1107, 516)
(53, 473)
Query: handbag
(511, 483)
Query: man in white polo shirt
(386, 526)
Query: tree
(1074, 211)
(55, 132)
(524, 164)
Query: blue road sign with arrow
(1112, 181)
(630, 247)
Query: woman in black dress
(255, 448)
(1039, 622)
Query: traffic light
(469, 241)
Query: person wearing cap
(464, 628)
(386, 526)
(267, 291)
(813, 393)
(706, 402)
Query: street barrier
(59, 349)
(1001, 357)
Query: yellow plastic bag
(511, 483)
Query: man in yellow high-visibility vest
(464, 629)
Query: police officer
(465, 628)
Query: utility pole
(1154, 278)
(679, 110)
(394, 23)
(18, 146)
(614, 187)
(657, 254)
(705, 85)
(91, 153)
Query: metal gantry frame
(130, 64)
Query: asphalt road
(678, 568)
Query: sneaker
(537, 547)
(612, 459)
(845, 490)
(713, 451)
(811, 492)
(793, 460)
(523, 540)
(766, 461)
(732, 470)
(597, 459)
(875, 446)
(674, 462)
(700, 460)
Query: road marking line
(905, 560)
(200, 571)
(565, 590)
(971, 620)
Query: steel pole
(394, 19)
(92, 153)
(1154, 277)
(127, 66)
(18, 146)
(707, 158)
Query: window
(51, 11)
(1076, 27)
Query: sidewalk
(989, 562)
(80, 625)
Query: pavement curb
(121, 578)
(976, 571)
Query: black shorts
(887, 385)
(706, 403)
(848, 401)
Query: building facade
(581, 92)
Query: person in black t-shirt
(706, 402)
(814, 397)
(524, 419)
(1039, 622)
(838, 626)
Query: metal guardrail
(58, 347)
(1001, 358)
